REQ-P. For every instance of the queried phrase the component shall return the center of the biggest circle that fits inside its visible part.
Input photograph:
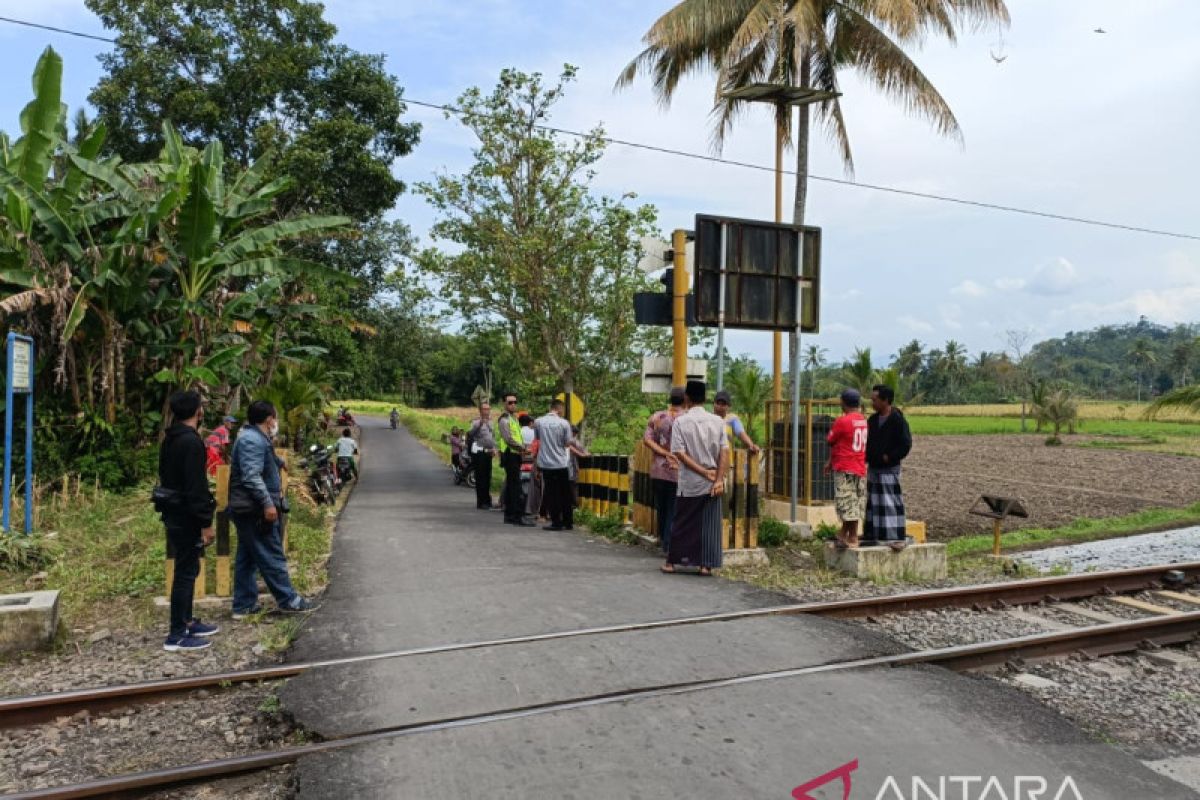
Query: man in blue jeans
(255, 504)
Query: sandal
(897, 546)
(667, 569)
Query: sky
(1072, 122)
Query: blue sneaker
(176, 644)
(302, 606)
(250, 612)
(201, 630)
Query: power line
(842, 182)
(57, 30)
(1029, 212)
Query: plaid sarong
(885, 506)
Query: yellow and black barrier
(607, 481)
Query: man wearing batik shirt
(848, 462)
(664, 472)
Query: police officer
(512, 452)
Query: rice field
(1105, 410)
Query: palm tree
(1143, 357)
(954, 364)
(751, 389)
(814, 359)
(1186, 397)
(859, 373)
(807, 43)
(1060, 410)
(1183, 355)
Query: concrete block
(747, 557)
(1170, 659)
(1029, 681)
(799, 530)
(28, 621)
(917, 562)
(811, 515)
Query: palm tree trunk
(799, 206)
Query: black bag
(241, 502)
(166, 501)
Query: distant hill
(1113, 361)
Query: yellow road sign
(575, 407)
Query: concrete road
(416, 565)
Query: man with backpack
(481, 444)
(186, 505)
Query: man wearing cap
(848, 462)
(734, 429)
(664, 471)
(699, 445)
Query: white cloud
(969, 288)
(915, 324)
(1009, 284)
(1056, 277)
(1176, 304)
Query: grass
(1088, 410)
(1082, 530)
(105, 552)
(1163, 436)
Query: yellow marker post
(679, 293)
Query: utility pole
(679, 292)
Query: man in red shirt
(848, 462)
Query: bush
(19, 552)
(772, 532)
(826, 531)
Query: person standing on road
(512, 453)
(553, 434)
(889, 441)
(577, 451)
(257, 505)
(848, 463)
(481, 443)
(186, 505)
(734, 429)
(699, 445)
(664, 471)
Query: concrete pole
(796, 379)
(679, 309)
(721, 311)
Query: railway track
(1166, 626)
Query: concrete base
(747, 557)
(28, 621)
(810, 515)
(799, 530)
(917, 562)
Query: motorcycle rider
(347, 449)
(395, 418)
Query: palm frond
(1186, 398)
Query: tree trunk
(799, 206)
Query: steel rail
(20, 711)
(1110, 638)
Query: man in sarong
(888, 443)
(698, 444)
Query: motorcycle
(344, 469)
(395, 420)
(322, 477)
(345, 419)
(463, 472)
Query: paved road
(416, 565)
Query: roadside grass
(106, 553)
(1082, 530)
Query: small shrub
(826, 531)
(1053, 441)
(610, 525)
(19, 553)
(772, 532)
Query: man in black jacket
(888, 443)
(188, 517)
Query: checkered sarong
(885, 506)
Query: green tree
(814, 359)
(859, 373)
(751, 388)
(1143, 358)
(807, 43)
(534, 250)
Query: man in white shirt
(347, 449)
(699, 445)
(553, 434)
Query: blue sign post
(20, 381)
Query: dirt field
(946, 474)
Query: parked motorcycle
(463, 472)
(322, 477)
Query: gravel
(1166, 547)
(203, 725)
